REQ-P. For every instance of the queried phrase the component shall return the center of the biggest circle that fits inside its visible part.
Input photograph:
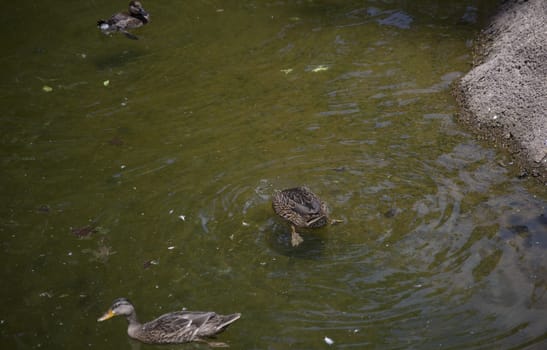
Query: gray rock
(504, 97)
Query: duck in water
(123, 21)
(302, 208)
(171, 328)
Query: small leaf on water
(320, 68)
(47, 88)
(106, 82)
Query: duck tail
(103, 25)
(228, 320)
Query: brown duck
(171, 328)
(123, 21)
(302, 208)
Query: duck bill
(108, 315)
(144, 15)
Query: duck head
(120, 307)
(136, 10)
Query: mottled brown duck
(302, 208)
(171, 328)
(123, 21)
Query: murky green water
(218, 104)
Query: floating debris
(319, 68)
(43, 209)
(106, 82)
(115, 141)
(329, 341)
(149, 263)
(83, 231)
(47, 88)
(287, 71)
(101, 254)
(171, 247)
(182, 217)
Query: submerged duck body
(172, 328)
(124, 21)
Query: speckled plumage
(171, 328)
(302, 208)
(123, 21)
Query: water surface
(147, 172)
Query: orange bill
(109, 314)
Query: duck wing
(198, 318)
(169, 323)
(307, 207)
(211, 323)
(119, 17)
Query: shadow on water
(530, 230)
(313, 247)
(116, 58)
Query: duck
(171, 328)
(301, 208)
(123, 21)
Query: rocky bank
(504, 97)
